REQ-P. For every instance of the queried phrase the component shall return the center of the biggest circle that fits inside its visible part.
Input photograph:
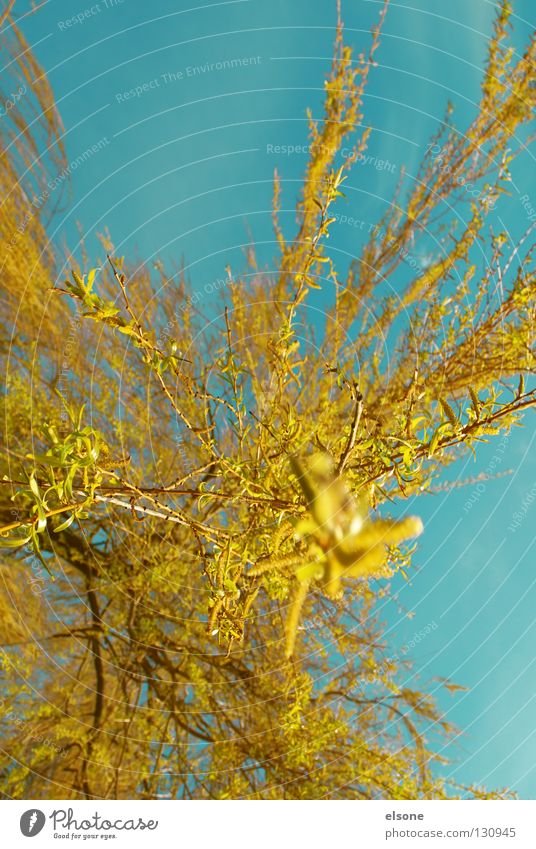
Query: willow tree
(196, 502)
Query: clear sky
(187, 109)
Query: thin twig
(353, 432)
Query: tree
(195, 541)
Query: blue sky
(187, 105)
